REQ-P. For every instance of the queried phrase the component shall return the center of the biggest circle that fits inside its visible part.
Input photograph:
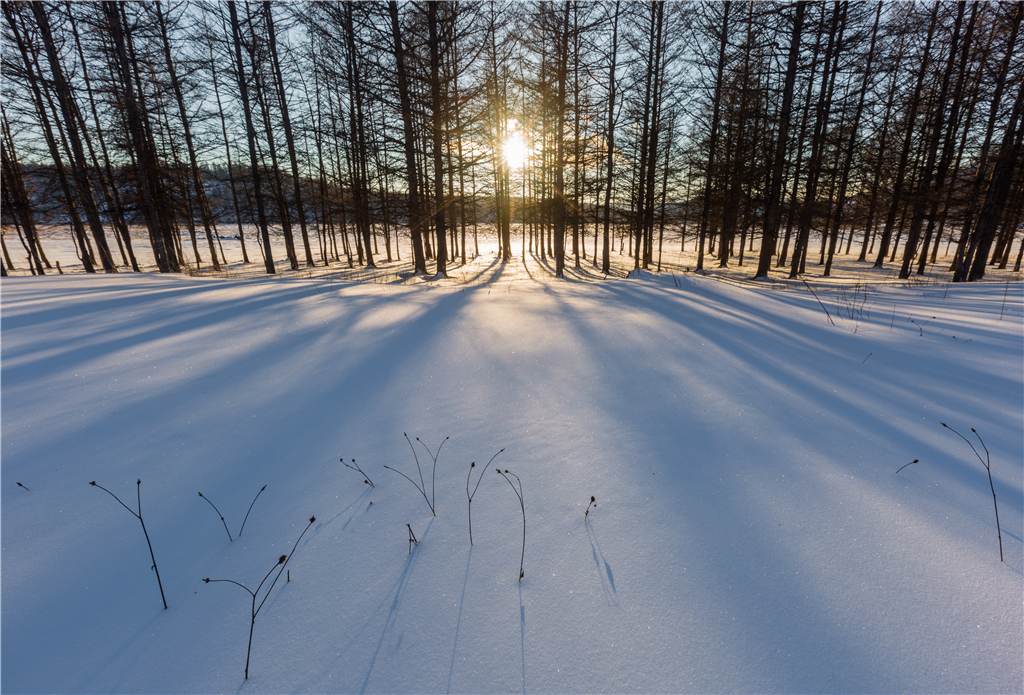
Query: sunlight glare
(515, 151)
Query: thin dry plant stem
(138, 515)
(905, 465)
(475, 488)
(433, 473)
(281, 562)
(218, 514)
(987, 463)
(819, 302)
(250, 509)
(519, 494)
(412, 537)
(422, 487)
(355, 467)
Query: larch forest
(359, 133)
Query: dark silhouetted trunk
(773, 206)
(250, 132)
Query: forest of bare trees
(358, 132)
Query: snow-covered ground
(751, 533)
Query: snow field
(751, 533)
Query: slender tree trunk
(851, 146)
(288, 136)
(578, 143)
(227, 152)
(154, 196)
(664, 186)
(18, 201)
(67, 107)
(559, 183)
(773, 207)
(713, 145)
(250, 132)
(605, 249)
(915, 101)
(968, 238)
(414, 218)
(107, 184)
(821, 118)
(324, 221)
(655, 131)
(438, 122)
(640, 199)
(457, 102)
(805, 120)
(197, 179)
(262, 97)
(358, 147)
(925, 188)
(999, 189)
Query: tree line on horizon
(336, 125)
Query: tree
(926, 189)
(250, 133)
(851, 146)
(610, 137)
(821, 117)
(723, 37)
(157, 205)
(908, 141)
(770, 234)
(409, 142)
(197, 180)
(68, 110)
(437, 132)
(289, 137)
(970, 238)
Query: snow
(751, 533)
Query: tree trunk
(999, 190)
(78, 163)
(414, 219)
(851, 146)
(773, 207)
(357, 138)
(821, 117)
(559, 183)
(154, 196)
(19, 201)
(968, 239)
(250, 133)
(655, 132)
(288, 137)
(950, 140)
(925, 188)
(716, 110)
(227, 152)
(438, 124)
(606, 246)
(197, 179)
(915, 101)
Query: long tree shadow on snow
(722, 522)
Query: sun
(514, 151)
